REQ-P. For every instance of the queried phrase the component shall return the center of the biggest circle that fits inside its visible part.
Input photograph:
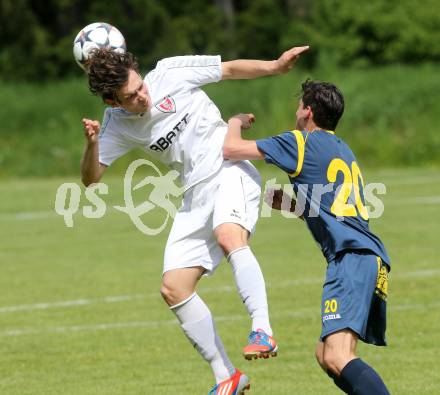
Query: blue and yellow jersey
(325, 175)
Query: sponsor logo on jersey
(235, 214)
(331, 317)
(167, 105)
(165, 142)
(382, 281)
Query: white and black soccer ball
(97, 35)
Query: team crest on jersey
(167, 105)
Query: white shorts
(230, 195)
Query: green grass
(390, 116)
(134, 346)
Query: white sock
(251, 287)
(198, 325)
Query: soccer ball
(97, 35)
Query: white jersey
(183, 129)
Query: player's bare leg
(233, 239)
(179, 284)
(319, 354)
(348, 371)
(339, 349)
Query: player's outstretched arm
(248, 69)
(91, 169)
(235, 147)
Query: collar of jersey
(323, 130)
(128, 113)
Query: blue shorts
(355, 295)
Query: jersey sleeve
(111, 145)
(285, 151)
(195, 70)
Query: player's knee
(170, 294)
(225, 240)
(319, 355)
(330, 363)
(165, 292)
(229, 239)
(174, 293)
(333, 362)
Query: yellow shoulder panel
(301, 143)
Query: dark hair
(326, 102)
(108, 71)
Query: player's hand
(245, 120)
(279, 200)
(91, 130)
(286, 61)
(274, 198)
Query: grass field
(80, 311)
